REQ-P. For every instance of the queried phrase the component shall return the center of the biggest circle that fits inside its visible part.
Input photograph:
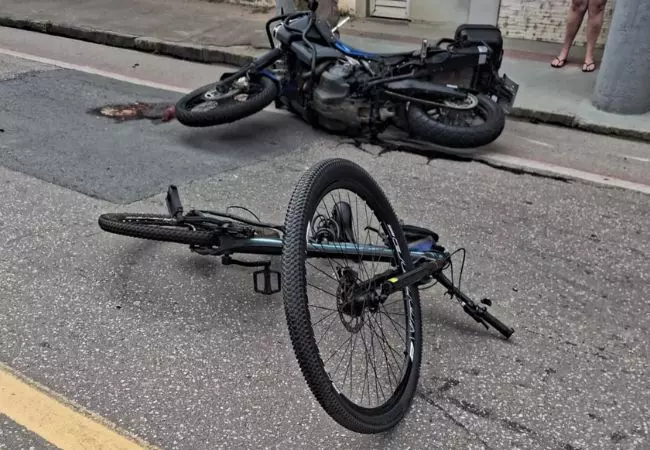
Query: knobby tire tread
(117, 224)
(424, 126)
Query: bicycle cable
(460, 276)
(245, 209)
(244, 220)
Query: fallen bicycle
(359, 303)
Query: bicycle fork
(392, 282)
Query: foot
(558, 62)
(589, 66)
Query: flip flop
(560, 62)
(589, 67)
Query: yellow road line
(56, 419)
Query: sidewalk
(224, 33)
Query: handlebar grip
(497, 324)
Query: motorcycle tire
(458, 136)
(266, 93)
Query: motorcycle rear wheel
(260, 92)
(438, 130)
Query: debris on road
(161, 112)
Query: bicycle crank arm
(476, 312)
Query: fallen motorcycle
(448, 94)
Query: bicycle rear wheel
(367, 326)
(156, 227)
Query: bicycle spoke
(366, 350)
(393, 352)
(388, 366)
(321, 289)
(323, 272)
(334, 320)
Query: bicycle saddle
(342, 215)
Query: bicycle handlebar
(478, 313)
(495, 323)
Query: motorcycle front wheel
(219, 103)
(458, 128)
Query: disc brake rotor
(458, 112)
(352, 320)
(469, 102)
(239, 86)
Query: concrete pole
(483, 12)
(623, 82)
(327, 9)
(286, 5)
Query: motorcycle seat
(351, 51)
(304, 52)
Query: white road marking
(636, 158)
(516, 162)
(493, 158)
(533, 141)
(113, 75)
(93, 71)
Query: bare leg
(573, 22)
(594, 25)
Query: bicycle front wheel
(366, 379)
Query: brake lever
(475, 315)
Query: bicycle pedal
(267, 281)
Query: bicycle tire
(155, 227)
(313, 185)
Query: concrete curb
(572, 121)
(242, 55)
(198, 53)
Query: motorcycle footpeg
(267, 281)
(173, 202)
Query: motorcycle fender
(265, 73)
(506, 91)
(226, 75)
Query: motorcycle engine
(334, 97)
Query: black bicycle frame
(273, 247)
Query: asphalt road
(180, 351)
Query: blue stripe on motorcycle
(268, 74)
(351, 51)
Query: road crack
(482, 413)
(455, 421)
(450, 155)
